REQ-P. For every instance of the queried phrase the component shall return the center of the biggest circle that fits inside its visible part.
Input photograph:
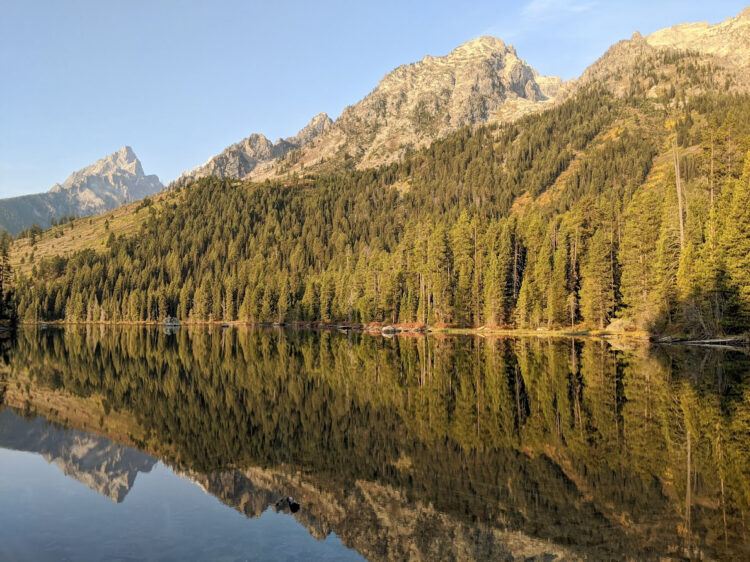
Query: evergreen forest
(603, 211)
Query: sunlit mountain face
(404, 448)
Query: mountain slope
(240, 159)
(484, 81)
(624, 203)
(106, 184)
(480, 81)
(728, 40)
(420, 102)
(692, 58)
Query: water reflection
(431, 448)
(106, 467)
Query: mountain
(240, 159)
(693, 58)
(481, 81)
(379, 521)
(105, 184)
(728, 40)
(621, 205)
(101, 464)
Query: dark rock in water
(287, 504)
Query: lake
(130, 443)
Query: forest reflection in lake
(416, 447)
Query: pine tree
(494, 292)
(463, 251)
(736, 247)
(309, 303)
(440, 283)
(557, 288)
(638, 255)
(283, 302)
(597, 288)
(710, 289)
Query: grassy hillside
(84, 233)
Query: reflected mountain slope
(106, 467)
(428, 447)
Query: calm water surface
(131, 444)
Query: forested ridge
(601, 208)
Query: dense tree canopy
(596, 209)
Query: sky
(180, 80)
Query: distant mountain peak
(122, 161)
(125, 155)
(240, 159)
(109, 182)
(483, 45)
(729, 39)
(317, 125)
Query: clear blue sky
(180, 80)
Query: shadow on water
(453, 447)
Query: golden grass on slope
(87, 232)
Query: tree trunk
(678, 186)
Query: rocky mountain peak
(317, 125)
(126, 159)
(123, 162)
(109, 182)
(241, 159)
(479, 81)
(480, 45)
(126, 154)
(728, 40)
(483, 46)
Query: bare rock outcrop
(481, 81)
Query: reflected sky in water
(133, 443)
(46, 515)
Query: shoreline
(741, 342)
